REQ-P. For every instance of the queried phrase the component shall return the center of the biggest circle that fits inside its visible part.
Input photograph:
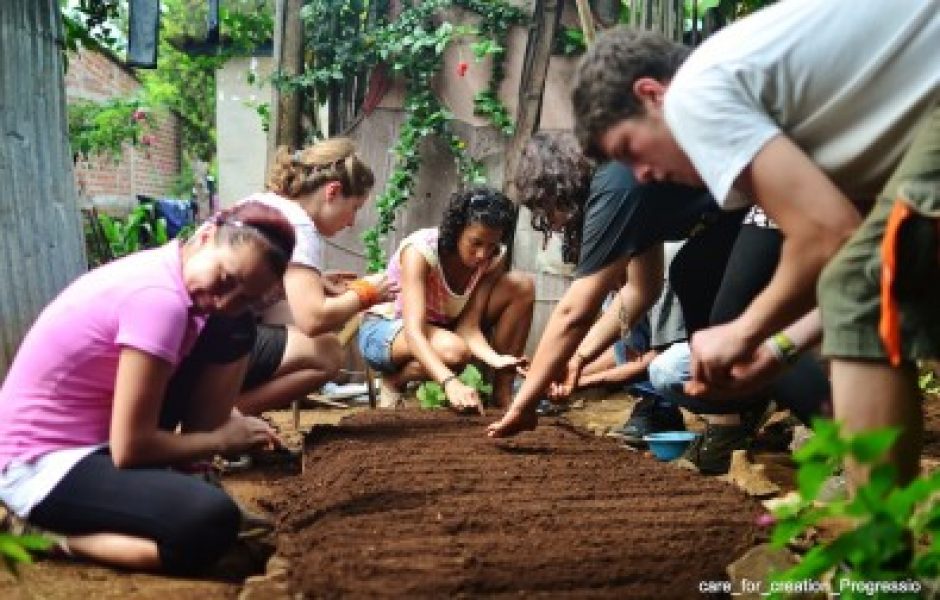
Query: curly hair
(479, 204)
(554, 177)
(602, 90)
(304, 171)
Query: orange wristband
(366, 291)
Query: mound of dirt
(412, 503)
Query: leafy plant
(431, 395)
(569, 41)
(142, 229)
(895, 538)
(16, 549)
(102, 128)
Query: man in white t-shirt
(805, 108)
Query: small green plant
(895, 542)
(16, 549)
(431, 395)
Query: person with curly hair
(319, 190)
(611, 226)
(454, 286)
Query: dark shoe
(547, 408)
(711, 452)
(649, 416)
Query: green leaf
(784, 531)
(431, 395)
(11, 548)
(34, 542)
(870, 446)
(810, 478)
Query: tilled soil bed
(421, 504)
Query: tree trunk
(288, 59)
(41, 242)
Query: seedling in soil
(431, 395)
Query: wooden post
(288, 59)
(587, 21)
(545, 17)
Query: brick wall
(149, 171)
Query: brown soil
(601, 484)
(413, 503)
(932, 427)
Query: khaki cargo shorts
(873, 312)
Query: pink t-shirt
(59, 391)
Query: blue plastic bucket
(669, 445)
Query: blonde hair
(304, 171)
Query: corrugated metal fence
(41, 247)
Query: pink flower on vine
(766, 520)
(462, 67)
(139, 115)
(147, 139)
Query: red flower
(139, 115)
(462, 67)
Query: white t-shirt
(308, 247)
(846, 80)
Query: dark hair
(554, 176)
(480, 204)
(602, 91)
(304, 171)
(261, 223)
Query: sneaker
(547, 408)
(649, 416)
(711, 452)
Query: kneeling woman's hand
(241, 433)
(462, 397)
(507, 361)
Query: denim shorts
(376, 335)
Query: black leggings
(192, 522)
(804, 388)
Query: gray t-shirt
(623, 218)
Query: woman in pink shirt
(85, 431)
(454, 285)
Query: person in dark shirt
(611, 225)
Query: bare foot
(391, 395)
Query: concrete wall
(242, 143)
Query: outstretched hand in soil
(513, 422)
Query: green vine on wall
(344, 45)
(102, 128)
